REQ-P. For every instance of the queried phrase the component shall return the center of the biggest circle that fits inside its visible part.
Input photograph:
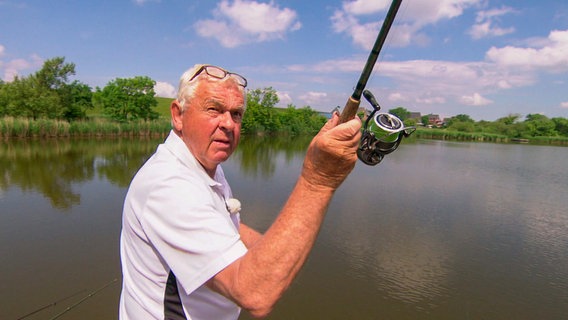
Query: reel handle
(372, 100)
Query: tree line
(512, 126)
(49, 94)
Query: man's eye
(213, 110)
(237, 115)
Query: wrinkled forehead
(224, 91)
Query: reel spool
(382, 134)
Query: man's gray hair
(187, 88)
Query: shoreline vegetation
(51, 128)
(23, 128)
(47, 104)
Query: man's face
(210, 126)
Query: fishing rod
(382, 132)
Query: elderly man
(185, 254)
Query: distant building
(434, 120)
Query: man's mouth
(225, 142)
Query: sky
(484, 58)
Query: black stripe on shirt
(173, 310)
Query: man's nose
(227, 121)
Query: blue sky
(484, 58)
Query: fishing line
(53, 304)
(90, 295)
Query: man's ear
(176, 112)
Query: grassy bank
(44, 128)
(438, 134)
(101, 127)
(442, 134)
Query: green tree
(508, 126)
(299, 121)
(400, 112)
(54, 74)
(540, 125)
(128, 99)
(510, 119)
(49, 88)
(462, 118)
(410, 122)
(3, 98)
(561, 126)
(260, 114)
(463, 126)
(77, 99)
(462, 123)
(27, 99)
(40, 95)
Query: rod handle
(350, 110)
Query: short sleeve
(187, 223)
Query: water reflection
(52, 167)
(258, 155)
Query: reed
(440, 134)
(459, 136)
(47, 128)
(559, 141)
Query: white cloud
(408, 29)
(475, 100)
(427, 99)
(453, 83)
(284, 98)
(143, 2)
(245, 21)
(485, 23)
(360, 7)
(564, 104)
(431, 82)
(13, 68)
(164, 89)
(552, 56)
(431, 11)
(2, 49)
(491, 14)
(450, 78)
(313, 98)
(482, 30)
(397, 97)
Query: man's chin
(222, 156)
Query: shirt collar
(176, 145)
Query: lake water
(438, 230)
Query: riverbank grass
(47, 128)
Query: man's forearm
(259, 278)
(249, 236)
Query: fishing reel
(382, 133)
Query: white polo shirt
(177, 234)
